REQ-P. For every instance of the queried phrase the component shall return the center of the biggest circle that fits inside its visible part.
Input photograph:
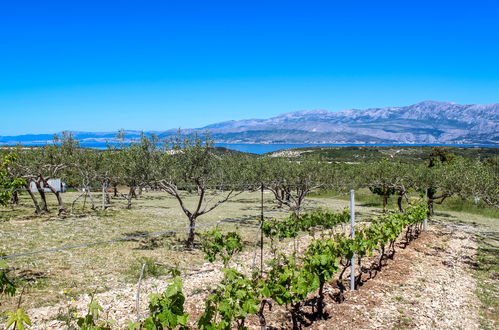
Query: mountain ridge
(421, 123)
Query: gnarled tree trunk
(191, 232)
(43, 197)
(399, 203)
(14, 199)
(385, 201)
(62, 208)
(38, 210)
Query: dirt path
(428, 285)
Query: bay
(263, 148)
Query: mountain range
(427, 122)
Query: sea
(261, 148)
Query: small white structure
(57, 184)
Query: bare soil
(427, 285)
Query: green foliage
(389, 226)
(382, 191)
(191, 165)
(7, 182)
(321, 259)
(405, 154)
(291, 182)
(287, 283)
(386, 177)
(440, 155)
(224, 245)
(290, 279)
(167, 309)
(192, 161)
(135, 160)
(151, 269)
(234, 299)
(91, 320)
(287, 228)
(323, 219)
(476, 180)
(133, 325)
(291, 226)
(17, 320)
(7, 287)
(471, 205)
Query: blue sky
(154, 65)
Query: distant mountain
(428, 122)
(425, 122)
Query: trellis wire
(129, 238)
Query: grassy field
(105, 266)
(455, 204)
(102, 266)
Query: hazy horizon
(181, 128)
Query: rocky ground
(428, 285)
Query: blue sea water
(265, 148)
(260, 149)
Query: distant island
(427, 122)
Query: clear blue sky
(154, 65)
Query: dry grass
(485, 231)
(106, 266)
(109, 267)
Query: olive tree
(189, 166)
(437, 179)
(135, 162)
(386, 177)
(39, 164)
(291, 181)
(8, 182)
(477, 180)
(91, 169)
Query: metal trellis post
(352, 234)
(261, 233)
